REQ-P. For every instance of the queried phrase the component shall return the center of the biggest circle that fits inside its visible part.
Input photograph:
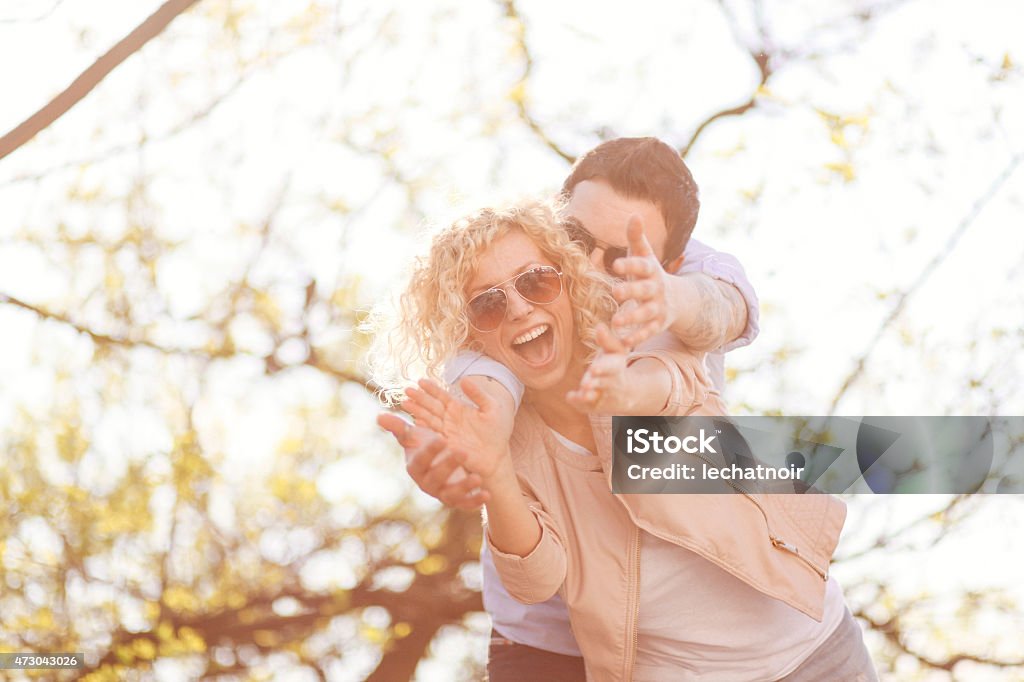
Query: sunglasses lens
(540, 285)
(612, 254)
(487, 310)
(578, 234)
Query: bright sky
(933, 108)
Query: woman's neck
(552, 407)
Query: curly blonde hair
(432, 323)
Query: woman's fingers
(427, 401)
(423, 414)
(420, 459)
(438, 473)
(608, 342)
(470, 501)
(396, 426)
(575, 399)
(585, 395)
(435, 391)
(582, 400)
(465, 494)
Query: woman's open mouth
(535, 346)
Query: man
(632, 203)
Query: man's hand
(646, 285)
(703, 312)
(433, 466)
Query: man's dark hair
(644, 168)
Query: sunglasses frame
(500, 286)
(580, 234)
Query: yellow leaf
(290, 446)
(191, 639)
(844, 169)
(518, 93)
(144, 649)
(178, 598)
(43, 619)
(165, 631)
(373, 635)
(265, 638)
(432, 564)
(125, 654)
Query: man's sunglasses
(577, 233)
(540, 285)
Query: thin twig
(923, 276)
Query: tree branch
(116, 150)
(760, 56)
(220, 353)
(923, 276)
(892, 630)
(512, 12)
(93, 75)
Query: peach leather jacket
(589, 549)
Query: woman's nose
(518, 307)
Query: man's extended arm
(708, 305)
(708, 313)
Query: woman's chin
(549, 376)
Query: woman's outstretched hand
(433, 467)
(604, 388)
(477, 433)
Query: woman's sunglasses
(540, 285)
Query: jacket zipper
(776, 541)
(635, 613)
(795, 551)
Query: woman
(725, 587)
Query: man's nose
(518, 307)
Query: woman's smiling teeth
(535, 347)
(530, 335)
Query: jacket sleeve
(539, 575)
(690, 387)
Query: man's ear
(676, 263)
